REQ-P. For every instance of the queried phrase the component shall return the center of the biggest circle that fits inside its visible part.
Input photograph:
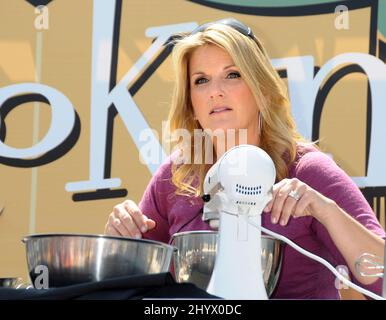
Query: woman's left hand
(292, 197)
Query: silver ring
(293, 194)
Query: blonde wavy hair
(278, 134)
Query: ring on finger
(294, 195)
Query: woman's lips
(220, 110)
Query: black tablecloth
(155, 286)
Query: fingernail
(143, 229)
(137, 236)
(274, 220)
(282, 222)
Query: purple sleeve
(153, 206)
(321, 173)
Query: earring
(260, 123)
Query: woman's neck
(222, 144)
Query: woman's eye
(200, 81)
(234, 75)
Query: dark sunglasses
(235, 24)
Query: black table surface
(154, 286)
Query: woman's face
(221, 99)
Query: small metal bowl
(73, 258)
(10, 282)
(194, 260)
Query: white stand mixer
(237, 188)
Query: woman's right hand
(127, 220)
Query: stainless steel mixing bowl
(10, 282)
(194, 260)
(73, 258)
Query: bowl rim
(95, 236)
(194, 232)
(182, 233)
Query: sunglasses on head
(231, 22)
(235, 24)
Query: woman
(225, 81)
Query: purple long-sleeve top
(301, 277)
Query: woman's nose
(216, 89)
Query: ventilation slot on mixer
(249, 203)
(248, 190)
